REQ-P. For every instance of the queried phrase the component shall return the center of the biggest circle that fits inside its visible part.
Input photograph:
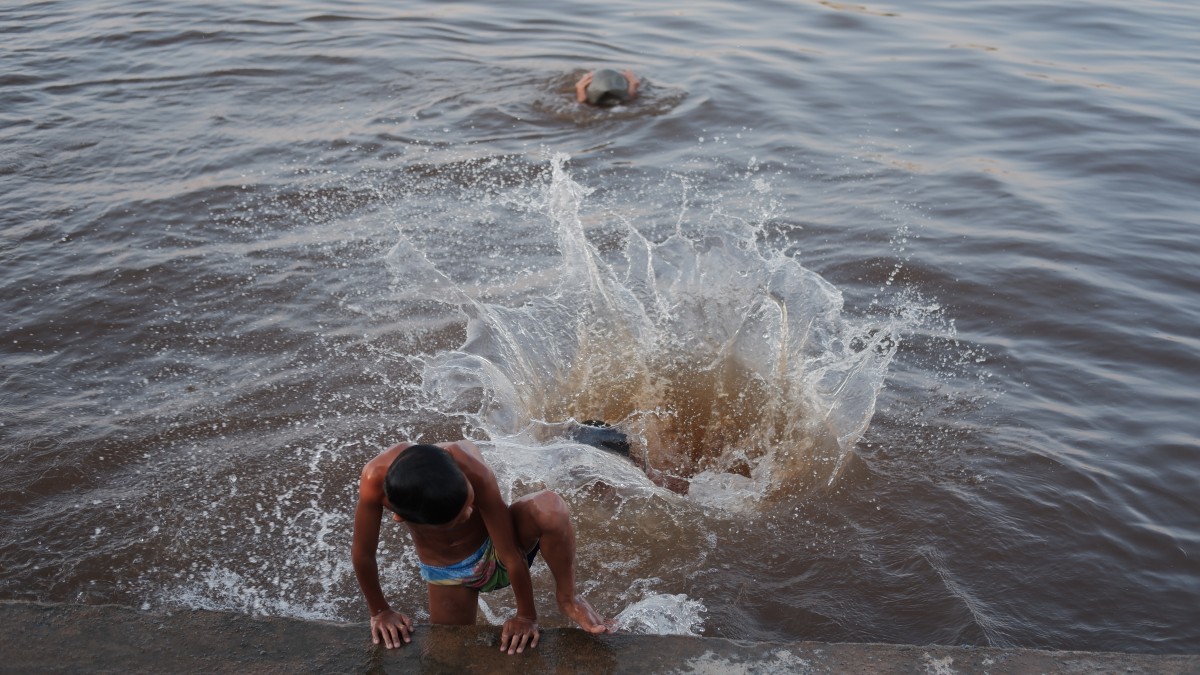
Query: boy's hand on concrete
(391, 627)
(517, 634)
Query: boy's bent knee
(546, 507)
(542, 498)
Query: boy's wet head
(425, 485)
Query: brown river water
(906, 293)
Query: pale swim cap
(607, 87)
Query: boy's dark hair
(425, 485)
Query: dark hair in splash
(425, 485)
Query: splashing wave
(729, 366)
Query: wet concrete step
(110, 639)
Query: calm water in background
(241, 244)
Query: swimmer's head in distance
(608, 87)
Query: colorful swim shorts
(482, 570)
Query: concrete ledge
(72, 638)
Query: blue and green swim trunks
(482, 570)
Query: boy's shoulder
(464, 450)
(468, 457)
(379, 465)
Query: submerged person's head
(601, 434)
(425, 486)
(608, 87)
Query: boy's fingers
(515, 642)
(394, 632)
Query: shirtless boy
(468, 540)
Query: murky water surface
(905, 294)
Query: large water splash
(730, 366)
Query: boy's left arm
(522, 630)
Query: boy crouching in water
(468, 541)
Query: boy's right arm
(389, 626)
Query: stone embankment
(109, 639)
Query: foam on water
(662, 614)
